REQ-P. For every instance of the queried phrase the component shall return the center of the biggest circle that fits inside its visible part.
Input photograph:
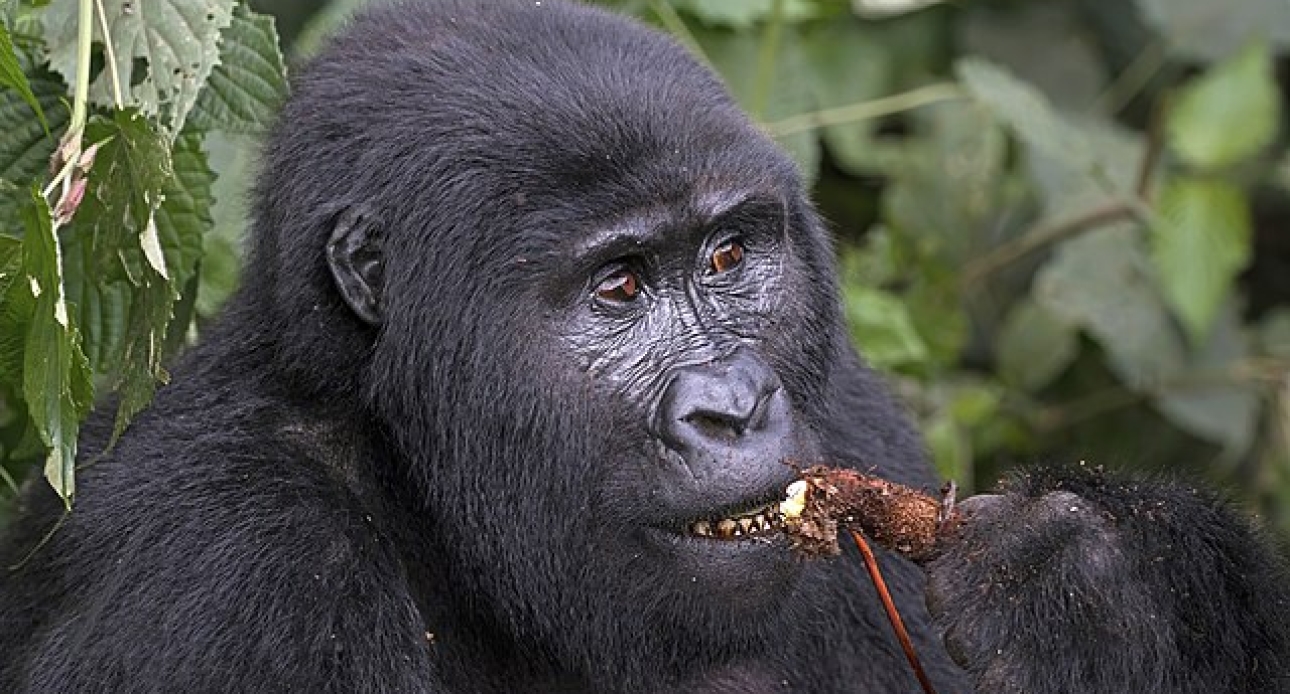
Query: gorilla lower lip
(762, 521)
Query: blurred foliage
(1062, 223)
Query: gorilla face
(671, 315)
(603, 318)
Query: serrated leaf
(10, 262)
(1199, 243)
(119, 286)
(1034, 346)
(1228, 114)
(56, 376)
(244, 92)
(141, 370)
(1025, 110)
(16, 310)
(1102, 282)
(165, 51)
(25, 146)
(185, 215)
(12, 76)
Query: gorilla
(531, 309)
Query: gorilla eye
(727, 256)
(621, 286)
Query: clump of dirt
(826, 499)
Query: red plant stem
(893, 616)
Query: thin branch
(1155, 146)
(1046, 234)
(1133, 79)
(893, 615)
(8, 480)
(867, 110)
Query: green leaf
(1034, 346)
(1205, 31)
(11, 75)
(15, 312)
(25, 146)
(56, 375)
(1025, 110)
(185, 214)
(1206, 400)
(231, 157)
(165, 50)
(244, 92)
(1101, 281)
(1274, 333)
(737, 57)
(10, 262)
(322, 24)
(744, 14)
(844, 65)
(117, 284)
(1042, 44)
(881, 327)
(141, 368)
(1228, 114)
(949, 210)
(1200, 242)
(1070, 189)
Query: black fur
(445, 474)
(1073, 582)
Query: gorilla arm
(1071, 581)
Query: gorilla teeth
(761, 521)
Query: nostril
(715, 426)
(732, 423)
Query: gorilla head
(586, 305)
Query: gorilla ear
(355, 255)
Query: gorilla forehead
(442, 95)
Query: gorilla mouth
(761, 521)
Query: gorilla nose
(722, 404)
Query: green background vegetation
(1063, 224)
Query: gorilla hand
(1076, 582)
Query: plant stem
(1046, 234)
(111, 56)
(766, 71)
(69, 146)
(675, 26)
(84, 44)
(893, 615)
(867, 110)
